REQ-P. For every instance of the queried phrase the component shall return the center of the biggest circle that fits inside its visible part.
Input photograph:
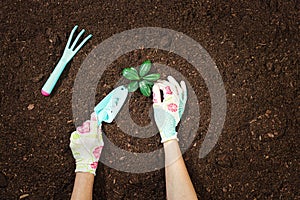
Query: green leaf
(145, 68)
(133, 86)
(131, 74)
(144, 88)
(152, 77)
(150, 83)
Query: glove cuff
(87, 167)
(168, 136)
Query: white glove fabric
(86, 144)
(167, 113)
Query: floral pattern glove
(86, 144)
(167, 113)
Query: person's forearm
(178, 182)
(83, 186)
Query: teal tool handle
(69, 52)
(51, 82)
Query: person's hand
(167, 113)
(86, 144)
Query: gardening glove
(86, 144)
(167, 113)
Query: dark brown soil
(255, 45)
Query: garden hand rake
(68, 54)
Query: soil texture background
(255, 45)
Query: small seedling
(141, 79)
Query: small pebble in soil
(23, 196)
(30, 106)
(270, 135)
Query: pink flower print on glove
(94, 165)
(172, 107)
(85, 128)
(154, 98)
(93, 117)
(97, 152)
(168, 90)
